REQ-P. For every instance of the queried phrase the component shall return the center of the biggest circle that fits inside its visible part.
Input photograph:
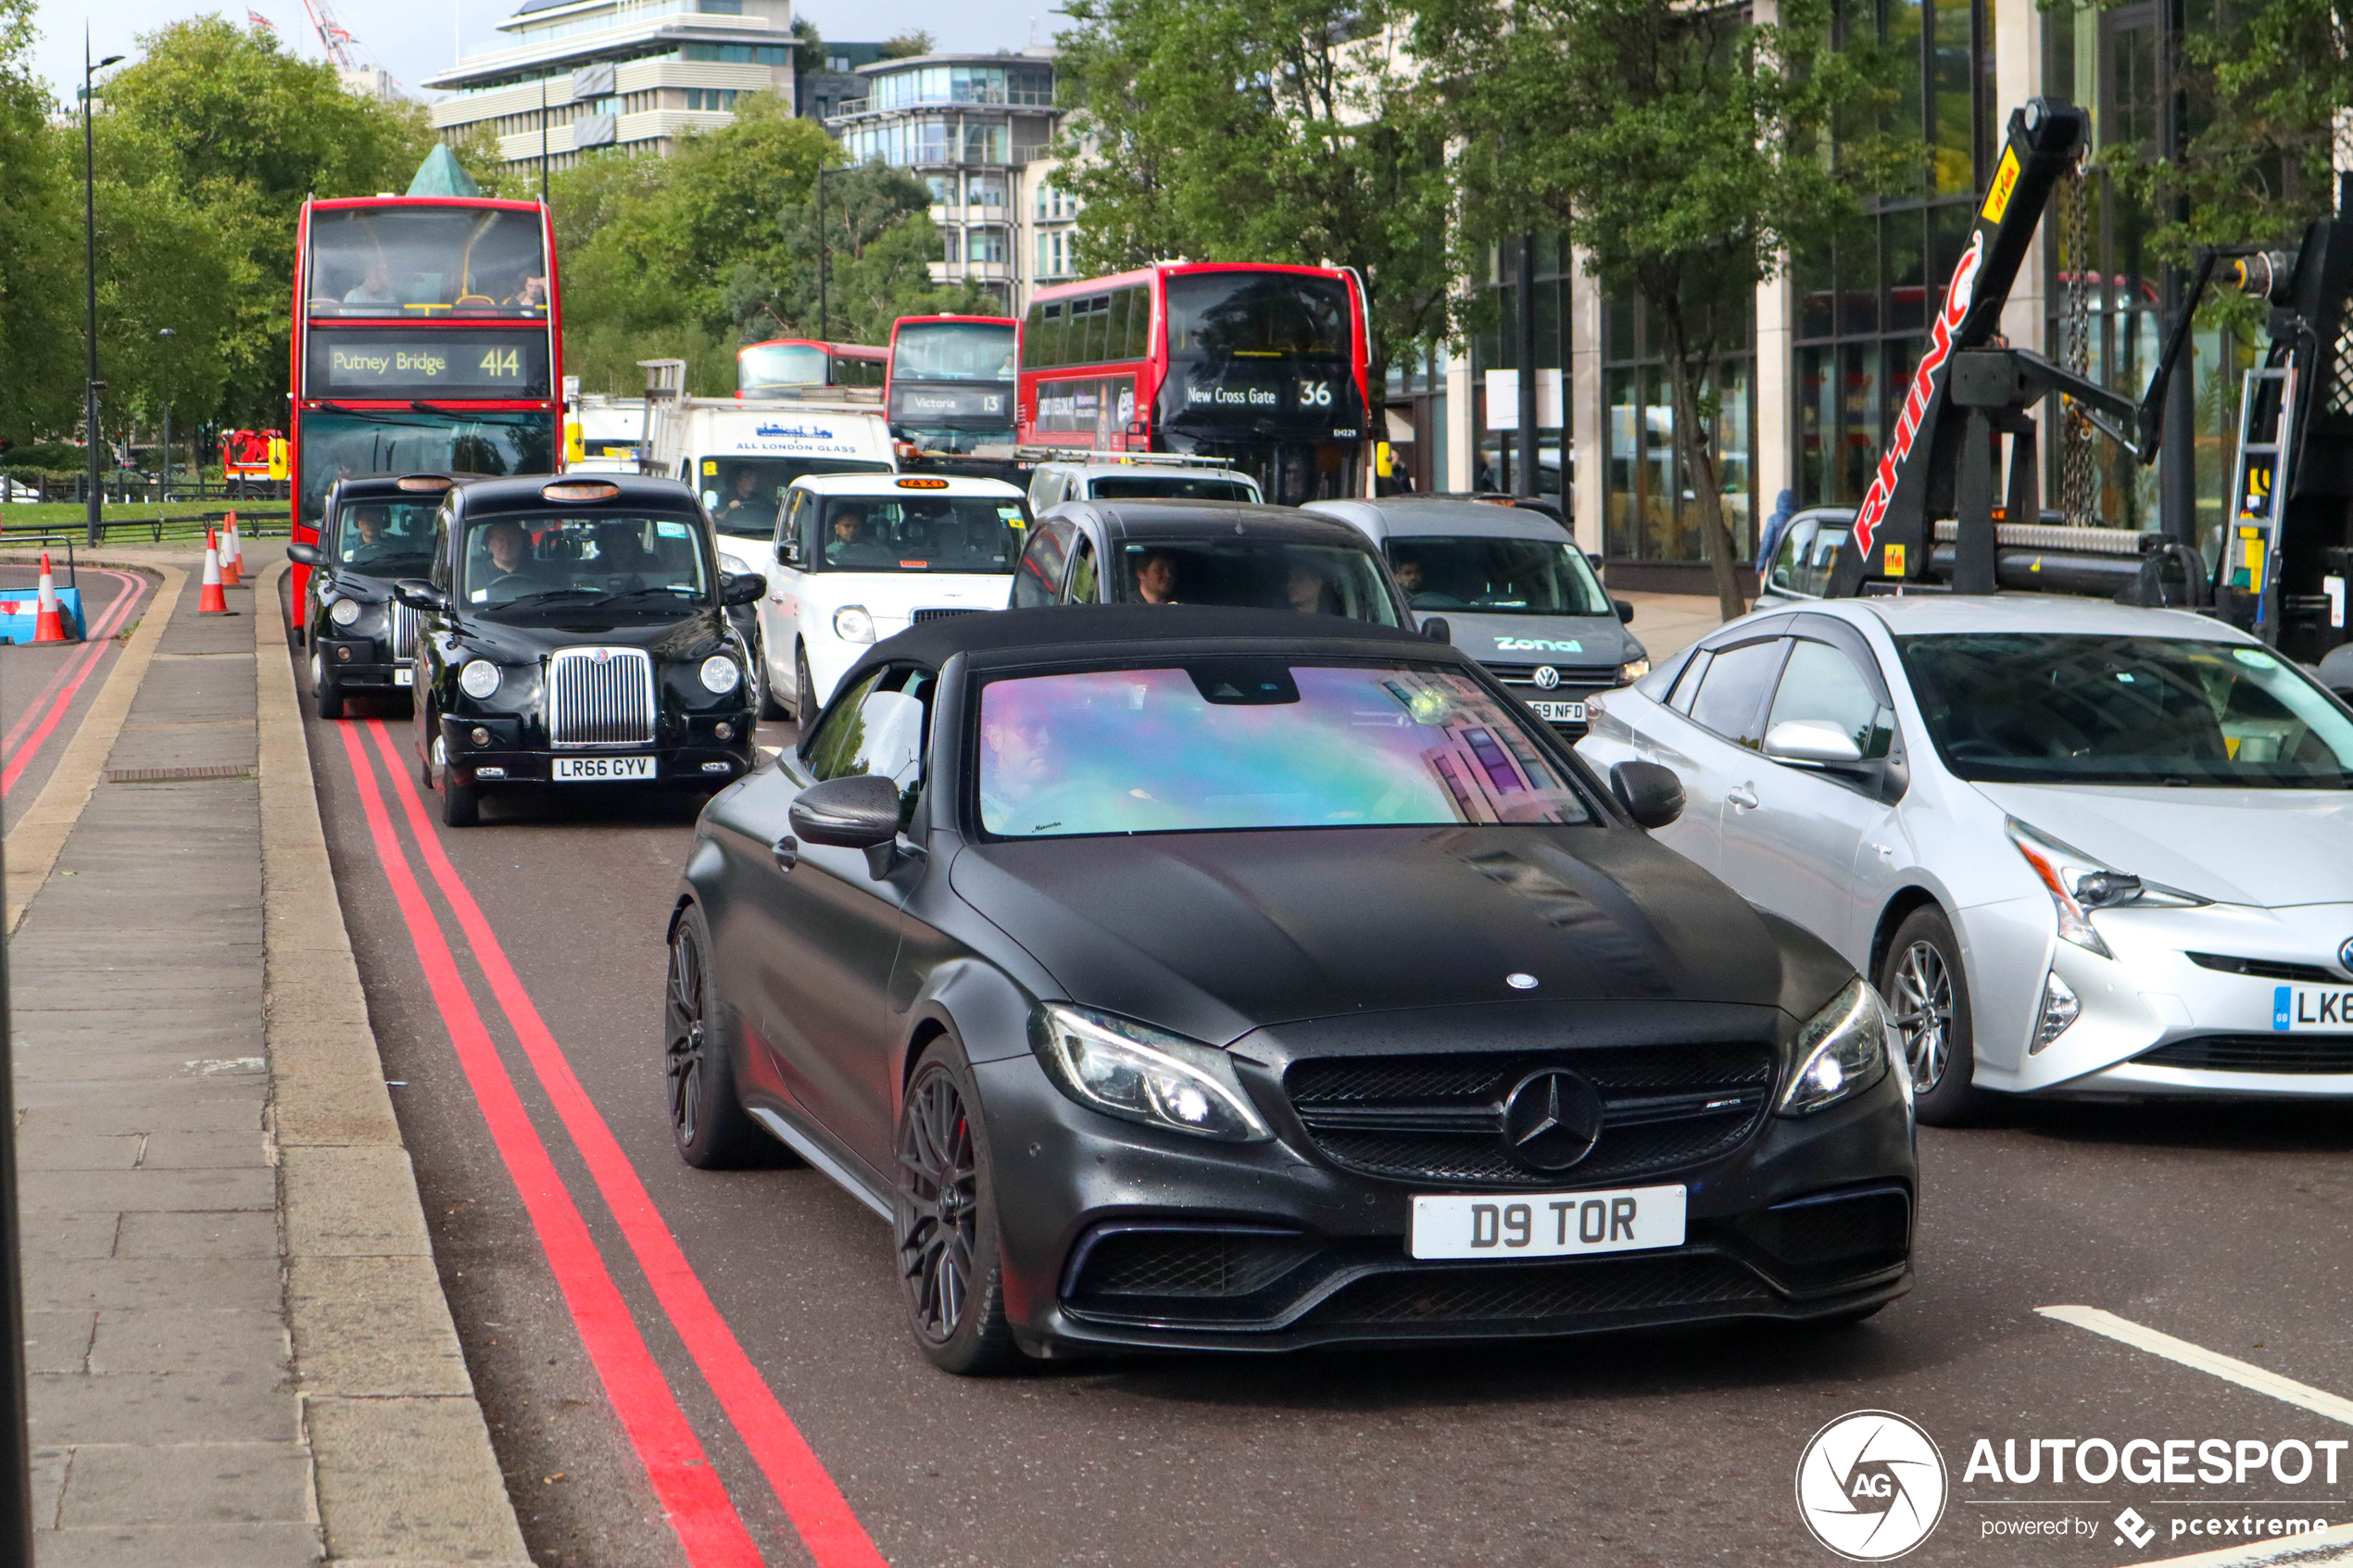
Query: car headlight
(852, 624)
(2078, 885)
(345, 612)
(1840, 1052)
(1130, 1069)
(1632, 670)
(720, 674)
(479, 678)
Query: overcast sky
(415, 38)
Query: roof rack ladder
(2259, 476)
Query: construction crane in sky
(342, 49)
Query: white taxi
(860, 556)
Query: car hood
(1538, 639)
(694, 635)
(1212, 934)
(2267, 847)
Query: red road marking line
(691, 1493)
(93, 643)
(81, 665)
(810, 1498)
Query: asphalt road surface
(683, 1367)
(46, 687)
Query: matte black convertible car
(1218, 978)
(576, 632)
(374, 531)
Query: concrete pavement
(238, 1346)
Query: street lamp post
(824, 319)
(167, 334)
(90, 384)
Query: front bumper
(509, 756)
(1119, 1234)
(360, 664)
(2154, 1021)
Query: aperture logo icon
(1871, 1485)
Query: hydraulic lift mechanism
(2288, 542)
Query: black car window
(1233, 744)
(1687, 680)
(1821, 683)
(921, 533)
(1266, 573)
(385, 538)
(520, 566)
(836, 737)
(1731, 692)
(1082, 573)
(1037, 579)
(883, 731)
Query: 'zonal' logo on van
(1535, 645)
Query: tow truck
(1931, 521)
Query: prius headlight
(1840, 1052)
(2078, 885)
(479, 678)
(1130, 1069)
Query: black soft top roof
(1118, 631)
(522, 492)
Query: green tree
(879, 244)
(907, 45)
(1685, 149)
(40, 335)
(1285, 130)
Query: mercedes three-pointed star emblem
(1552, 1119)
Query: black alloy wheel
(945, 1218)
(801, 681)
(1926, 995)
(707, 1119)
(325, 691)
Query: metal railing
(251, 524)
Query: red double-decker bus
(784, 367)
(952, 382)
(1261, 367)
(426, 338)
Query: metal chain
(2079, 460)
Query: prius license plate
(2312, 1007)
(576, 768)
(1549, 1224)
(1558, 712)
(405, 675)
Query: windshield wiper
(543, 593)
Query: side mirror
(1653, 796)
(742, 588)
(1811, 743)
(1593, 560)
(1434, 627)
(306, 554)
(858, 811)
(789, 553)
(1625, 608)
(418, 594)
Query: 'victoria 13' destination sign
(429, 364)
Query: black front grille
(1526, 1294)
(1191, 1264)
(2257, 1053)
(2266, 969)
(1440, 1118)
(919, 617)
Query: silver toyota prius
(2081, 848)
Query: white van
(859, 558)
(1138, 476)
(741, 457)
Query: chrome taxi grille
(400, 624)
(940, 614)
(600, 696)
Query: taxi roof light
(923, 484)
(426, 482)
(580, 490)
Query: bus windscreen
(427, 261)
(1258, 315)
(928, 351)
(342, 445)
(766, 365)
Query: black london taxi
(373, 531)
(574, 631)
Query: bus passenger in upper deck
(530, 292)
(375, 288)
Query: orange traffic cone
(48, 626)
(212, 601)
(230, 563)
